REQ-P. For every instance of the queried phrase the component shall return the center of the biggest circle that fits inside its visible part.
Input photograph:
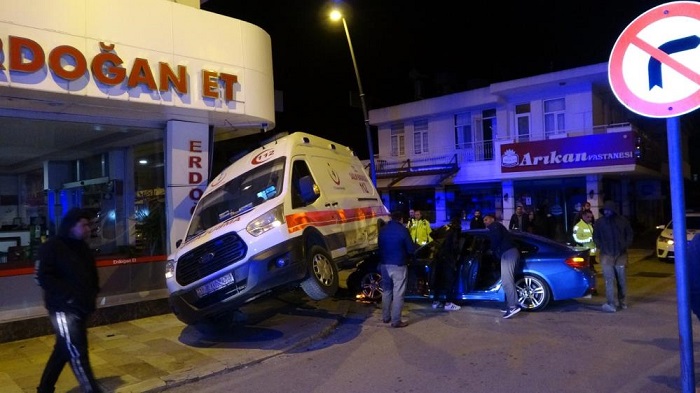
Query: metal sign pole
(685, 329)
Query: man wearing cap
(612, 235)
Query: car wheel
(369, 286)
(533, 293)
(323, 274)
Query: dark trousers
(444, 282)
(71, 346)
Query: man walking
(612, 235)
(395, 249)
(504, 248)
(67, 273)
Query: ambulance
(291, 213)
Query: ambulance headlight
(170, 269)
(268, 220)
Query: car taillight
(577, 262)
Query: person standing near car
(503, 246)
(395, 249)
(420, 229)
(583, 235)
(613, 235)
(446, 267)
(67, 273)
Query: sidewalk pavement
(155, 353)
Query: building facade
(550, 143)
(115, 107)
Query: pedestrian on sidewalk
(504, 248)
(613, 235)
(67, 273)
(395, 250)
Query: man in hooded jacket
(613, 235)
(67, 273)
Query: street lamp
(336, 15)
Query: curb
(196, 373)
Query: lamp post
(336, 15)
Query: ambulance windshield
(238, 196)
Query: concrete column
(187, 149)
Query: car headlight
(169, 269)
(268, 220)
(667, 240)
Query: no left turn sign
(654, 67)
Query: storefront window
(464, 200)
(149, 212)
(123, 187)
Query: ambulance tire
(323, 274)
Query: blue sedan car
(549, 271)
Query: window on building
(398, 147)
(463, 131)
(522, 121)
(485, 136)
(420, 137)
(554, 111)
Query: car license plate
(215, 285)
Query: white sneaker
(436, 305)
(451, 307)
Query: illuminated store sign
(618, 148)
(24, 55)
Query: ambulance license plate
(215, 285)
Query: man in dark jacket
(519, 221)
(67, 273)
(612, 234)
(504, 248)
(445, 267)
(395, 249)
(477, 222)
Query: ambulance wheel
(323, 274)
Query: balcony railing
(422, 165)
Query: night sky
(449, 48)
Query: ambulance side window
(304, 188)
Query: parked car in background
(664, 243)
(551, 271)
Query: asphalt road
(571, 346)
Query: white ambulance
(292, 212)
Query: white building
(550, 142)
(115, 106)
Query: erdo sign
(654, 67)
